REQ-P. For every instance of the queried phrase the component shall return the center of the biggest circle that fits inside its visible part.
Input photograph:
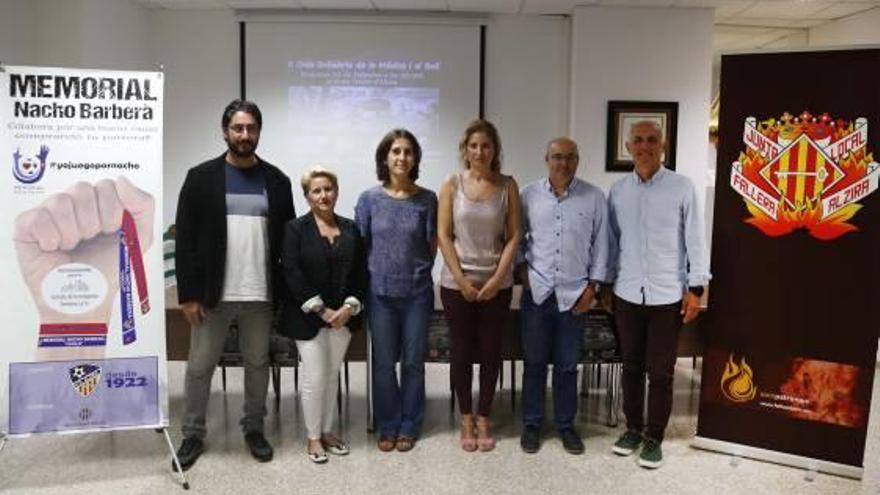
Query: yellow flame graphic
(736, 382)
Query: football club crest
(804, 172)
(29, 169)
(85, 378)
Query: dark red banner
(793, 315)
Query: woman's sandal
(386, 444)
(405, 443)
(485, 442)
(468, 440)
(317, 457)
(334, 445)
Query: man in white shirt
(661, 271)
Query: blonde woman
(479, 231)
(325, 270)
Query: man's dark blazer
(200, 246)
(312, 267)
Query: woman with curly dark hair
(398, 220)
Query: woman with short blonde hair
(325, 269)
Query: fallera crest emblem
(804, 172)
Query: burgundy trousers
(475, 330)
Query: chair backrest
(438, 339)
(282, 350)
(600, 338)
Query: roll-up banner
(794, 309)
(82, 345)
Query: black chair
(601, 350)
(231, 354)
(438, 348)
(282, 353)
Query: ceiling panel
(183, 4)
(807, 23)
(746, 39)
(769, 22)
(723, 8)
(713, 3)
(785, 9)
(338, 4)
(730, 9)
(564, 7)
(636, 3)
(432, 5)
(493, 6)
(264, 4)
(734, 31)
(843, 9)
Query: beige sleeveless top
(480, 229)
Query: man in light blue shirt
(565, 254)
(658, 256)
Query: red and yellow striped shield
(801, 172)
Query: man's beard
(243, 149)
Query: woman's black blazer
(312, 266)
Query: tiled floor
(138, 461)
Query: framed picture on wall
(623, 114)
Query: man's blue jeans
(399, 332)
(550, 337)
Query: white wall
(199, 50)
(103, 34)
(18, 33)
(115, 35)
(854, 30)
(641, 54)
(527, 80)
(42, 32)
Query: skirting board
(778, 457)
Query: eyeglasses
(559, 157)
(240, 128)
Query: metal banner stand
(184, 482)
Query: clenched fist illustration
(68, 253)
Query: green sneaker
(651, 456)
(627, 443)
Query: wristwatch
(697, 290)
